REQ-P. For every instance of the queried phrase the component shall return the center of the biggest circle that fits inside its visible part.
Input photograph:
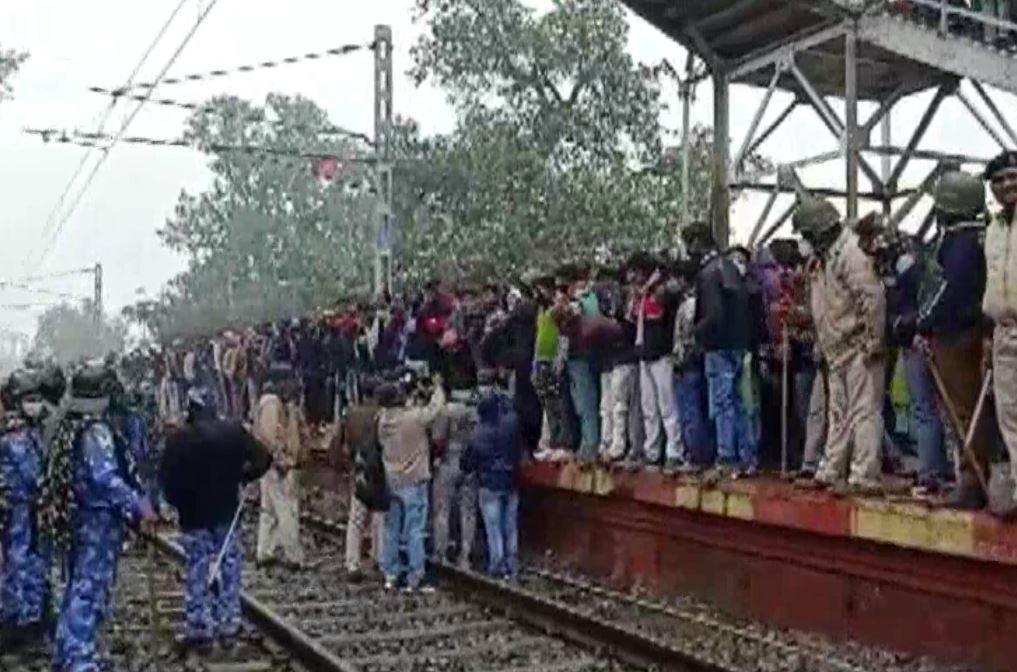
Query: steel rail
(307, 651)
(555, 618)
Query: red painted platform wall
(954, 608)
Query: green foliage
(556, 156)
(268, 238)
(10, 61)
(71, 334)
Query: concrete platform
(900, 574)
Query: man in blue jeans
(584, 378)
(404, 436)
(493, 454)
(723, 332)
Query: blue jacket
(493, 450)
(954, 304)
(99, 484)
(21, 465)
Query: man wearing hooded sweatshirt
(493, 455)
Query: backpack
(370, 483)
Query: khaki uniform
(849, 309)
(278, 427)
(1000, 305)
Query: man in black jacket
(203, 468)
(950, 320)
(723, 330)
(369, 491)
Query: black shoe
(355, 576)
(965, 497)
(12, 637)
(228, 642)
(187, 645)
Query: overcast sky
(74, 45)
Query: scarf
(57, 505)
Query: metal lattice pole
(382, 139)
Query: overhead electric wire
(209, 108)
(286, 155)
(106, 114)
(341, 50)
(123, 129)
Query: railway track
(649, 631)
(316, 621)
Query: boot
(967, 495)
(12, 637)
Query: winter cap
(1004, 162)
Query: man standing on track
(369, 493)
(404, 435)
(277, 426)
(23, 592)
(88, 495)
(203, 468)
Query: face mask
(805, 248)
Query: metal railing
(954, 19)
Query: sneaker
(672, 466)
(544, 455)
(354, 576)
(391, 582)
(419, 589)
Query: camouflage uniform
(207, 614)
(25, 563)
(454, 428)
(104, 502)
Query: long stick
(783, 403)
(213, 576)
(966, 434)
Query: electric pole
(97, 299)
(383, 154)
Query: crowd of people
(719, 364)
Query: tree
(71, 334)
(557, 151)
(268, 238)
(10, 61)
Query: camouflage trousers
(451, 487)
(209, 612)
(93, 560)
(24, 589)
(279, 520)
